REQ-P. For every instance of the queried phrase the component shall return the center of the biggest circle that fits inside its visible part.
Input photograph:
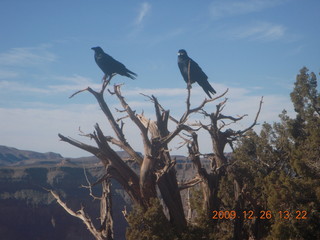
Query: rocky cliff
(27, 211)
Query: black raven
(190, 69)
(109, 65)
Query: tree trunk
(106, 219)
(171, 196)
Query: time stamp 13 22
(299, 214)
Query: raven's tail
(130, 74)
(207, 88)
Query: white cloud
(36, 127)
(138, 23)
(156, 92)
(74, 79)
(71, 83)
(262, 31)
(12, 86)
(223, 8)
(27, 56)
(143, 11)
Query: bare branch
(109, 156)
(106, 82)
(104, 85)
(150, 125)
(173, 134)
(189, 86)
(79, 214)
(165, 169)
(89, 185)
(78, 144)
(191, 183)
(255, 120)
(234, 119)
(120, 119)
(197, 109)
(219, 108)
(120, 111)
(100, 180)
(89, 135)
(116, 128)
(86, 89)
(161, 108)
(133, 116)
(114, 141)
(162, 123)
(186, 141)
(222, 117)
(125, 213)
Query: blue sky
(253, 47)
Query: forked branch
(255, 120)
(78, 214)
(133, 116)
(189, 111)
(118, 130)
(191, 183)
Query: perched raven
(190, 68)
(109, 65)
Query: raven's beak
(179, 54)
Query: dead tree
(156, 165)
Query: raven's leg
(106, 81)
(189, 85)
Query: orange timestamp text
(263, 214)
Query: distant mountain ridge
(12, 156)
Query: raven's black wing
(196, 73)
(110, 66)
(201, 78)
(105, 62)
